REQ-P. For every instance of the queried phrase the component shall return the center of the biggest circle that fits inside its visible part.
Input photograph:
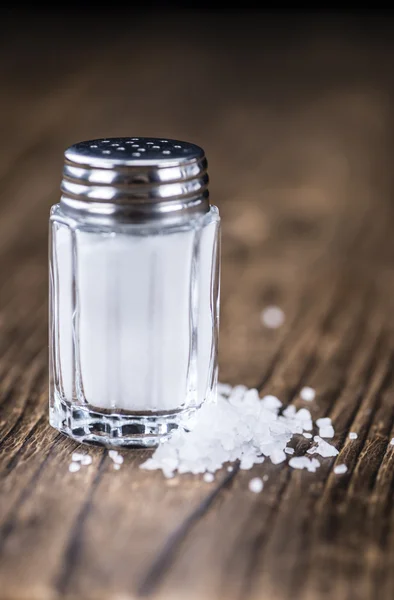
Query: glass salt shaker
(134, 290)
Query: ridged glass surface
(134, 325)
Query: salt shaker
(134, 290)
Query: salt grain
(327, 431)
(230, 469)
(115, 457)
(307, 435)
(303, 462)
(77, 456)
(272, 317)
(74, 467)
(353, 435)
(116, 466)
(340, 469)
(271, 402)
(208, 477)
(289, 411)
(307, 426)
(277, 456)
(392, 442)
(298, 462)
(304, 415)
(314, 464)
(324, 422)
(256, 485)
(83, 459)
(289, 450)
(246, 463)
(307, 394)
(323, 448)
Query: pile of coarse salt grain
(241, 427)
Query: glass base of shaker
(87, 425)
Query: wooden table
(297, 121)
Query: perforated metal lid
(135, 179)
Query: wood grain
(296, 118)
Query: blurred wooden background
(296, 116)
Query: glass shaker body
(134, 310)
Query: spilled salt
(340, 469)
(115, 457)
(303, 462)
(271, 402)
(323, 448)
(256, 485)
(82, 459)
(74, 467)
(238, 427)
(272, 317)
(327, 431)
(307, 394)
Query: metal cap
(135, 179)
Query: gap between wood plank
(75, 541)
(167, 553)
